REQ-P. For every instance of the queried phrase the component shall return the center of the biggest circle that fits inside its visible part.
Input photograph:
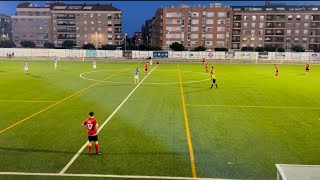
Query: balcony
(237, 18)
(315, 26)
(236, 33)
(235, 39)
(315, 17)
(67, 30)
(66, 17)
(66, 24)
(66, 37)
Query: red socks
(90, 149)
(97, 148)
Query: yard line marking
(240, 106)
(106, 175)
(24, 101)
(104, 123)
(193, 166)
(17, 123)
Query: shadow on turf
(35, 150)
(35, 76)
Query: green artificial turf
(240, 130)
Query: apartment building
(81, 23)
(5, 27)
(192, 26)
(31, 23)
(137, 38)
(279, 26)
(57, 22)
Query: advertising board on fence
(210, 55)
(91, 53)
(245, 55)
(314, 56)
(110, 54)
(280, 55)
(296, 55)
(263, 55)
(160, 54)
(176, 54)
(194, 55)
(144, 54)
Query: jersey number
(89, 126)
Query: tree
(200, 48)
(48, 45)
(259, 49)
(88, 46)
(221, 49)
(7, 44)
(270, 48)
(27, 44)
(68, 44)
(154, 48)
(247, 49)
(143, 47)
(281, 49)
(316, 49)
(297, 48)
(177, 46)
(108, 47)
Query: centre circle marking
(161, 83)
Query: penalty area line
(104, 123)
(106, 176)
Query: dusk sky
(136, 12)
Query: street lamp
(147, 40)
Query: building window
(220, 28)
(306, 25)
(92, 15)
(210, 14)
(304, 39)
(254, 18)
(289, 17)
(261, 18)
(92, 22)
(78, 35)
(221, 14)
(99, 29)
(305, 31)
(288, 31)
(84, 22)
(253, 25)
(85, 29)
(220, 43)
(261, 25)
(253, 31)
(260, 32)
(221, 21)
(99, 22)
(298, 17)
(306, 16)
(245, 18)
(209, 21)
(85, 35)
(297, 31)
(296, 39)
(220, 36)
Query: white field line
(159, 83)
(104, 123)
(106, 176)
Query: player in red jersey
(146, 66)
(91, 125)
(207, 66)
(307, 67)
(277, 70)
(203, 60)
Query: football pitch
(169, 126)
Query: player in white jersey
(94, 64)
(136, 76)
(150, 62)
(55, 61)
(26, 68)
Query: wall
(23, 52)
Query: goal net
(298, 172)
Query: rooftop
(71, 7)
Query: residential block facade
(236, 27)
(58, 22)
(5, 27)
